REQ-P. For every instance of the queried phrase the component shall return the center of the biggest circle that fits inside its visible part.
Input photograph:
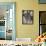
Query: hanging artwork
(27, 16)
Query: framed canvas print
(27, 16)
(7, 20)
(42, 1)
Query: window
(7, 21)
(42, 1)
(42, 22)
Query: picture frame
(27, 16)
(42, 1)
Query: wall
(28, 31)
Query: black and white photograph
(27, 16)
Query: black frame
(27, 14)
